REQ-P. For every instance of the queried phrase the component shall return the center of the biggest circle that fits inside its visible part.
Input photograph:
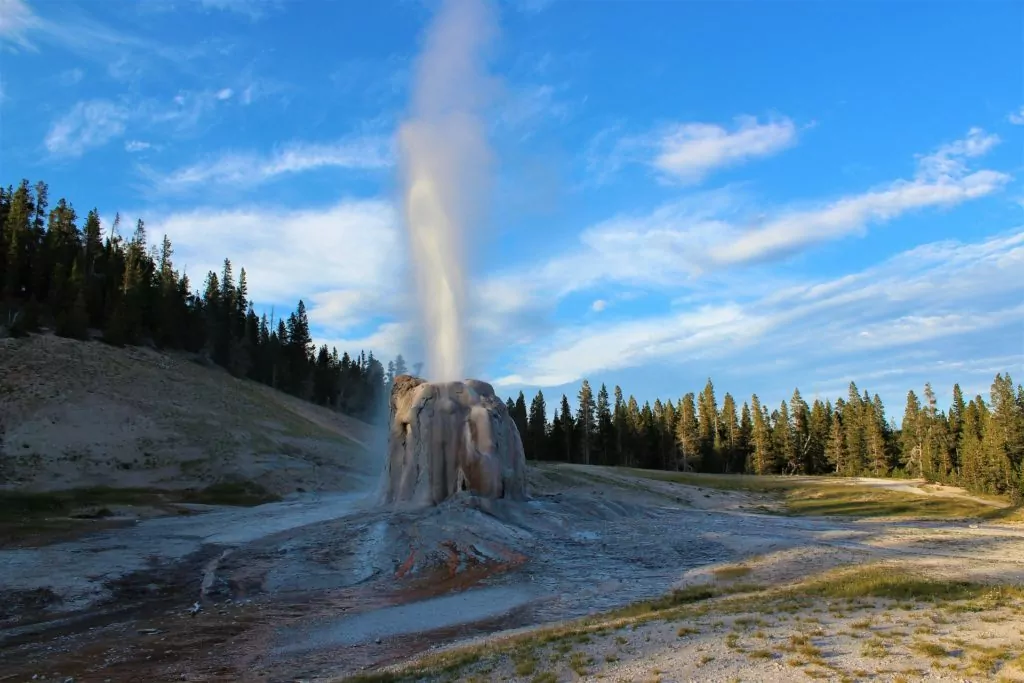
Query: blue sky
(772, 194)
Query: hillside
(80, 414)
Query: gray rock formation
(448, 437)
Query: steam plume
(445, 164)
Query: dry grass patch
(731, 573)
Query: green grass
(929, 649)
(25, 505)
(894, 584)
(240, 493)
(526, 665)
(732, 572)
(18, 506)
(725, 482)
(842, 500)
(824, 496)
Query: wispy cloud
(530, 105)
(247, 169)
(690, 151)
(17, 22)
(71, 77)
(137, 146)
(920, 296)
(125, 54)
(89, 124)
(706, 245)
(942, 179)
(253, 9)
(93, 123)
(1016, 117)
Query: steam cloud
(445, 162)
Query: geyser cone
(450, 437)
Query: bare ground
(328, 587)
(79, 414)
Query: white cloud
(1016, 117)
(249, 169)
(344, 261)
(915, 299)
(136, 146)
(942, 179)
(17, 21)
(89, 124)
(71, 77)
(598, 305)
(528, 106)
(386, 342)
(690, 151)
(225, 93)
(94, 123)
(124, 54)
(253, 9)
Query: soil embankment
(83, 414)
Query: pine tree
(835, 449)
(619, 426)
(707, 425)
(819, 427)
(729, 427)
(746, 440)
(783, 441)
(853, 431)
(585, 422)
(800, 415)
(537, 428)
(762, 457)
(519, 415)
(568, 431)
(877, 438)
(688, 434)
(604, 428)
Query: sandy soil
(75, 414)
(866, 640)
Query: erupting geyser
(444, 163)
(448, 437)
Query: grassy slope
(824, 496)
(137, 418)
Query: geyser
(444, 160)
(448, 437)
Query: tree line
(976, 444)
(84, 282)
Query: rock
(448, 437)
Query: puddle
(458, 609)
